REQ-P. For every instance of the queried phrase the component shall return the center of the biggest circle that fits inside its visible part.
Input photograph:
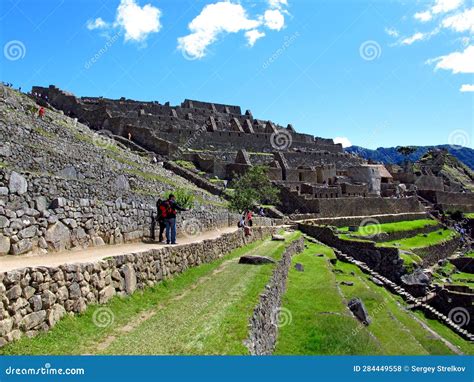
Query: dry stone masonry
(33, 300)
(265, 319)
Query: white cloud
(98, 23)
(392, 32)
(227, 17)
(138, 22)
(461, 22)
(416, 37)
(277, 4)
(214, 19)
(423, 16)
(444, 6)
(253, 35)
(467, 88)
(457, 62)
(439, 7)
(344, 141)
(274, 19)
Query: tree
(253, 188)
(406, 151)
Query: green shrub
(184, 197)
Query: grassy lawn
(469, 215)
(321, 323)
(407, 225)
(393, 326)
(410, 261)
(201, 311)
(421, 241)
(450, 271)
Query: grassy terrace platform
(421, 240)
(322, 324)
(391, 227)
(442, 273)
(469, 215)
(204, 310)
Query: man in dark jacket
(171, 208)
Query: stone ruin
(314, 174)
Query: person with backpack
(171, 207)
(160, 218)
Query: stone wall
(398, 235)
(357, 220)
(34, 299)
(264, 321)
(432, 254)
(385, 261)
(34, 218)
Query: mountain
(391, 155)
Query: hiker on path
(160, 219)
(41, 112)
(171, 207)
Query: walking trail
(93, 254)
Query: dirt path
(8, 263)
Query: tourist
(249, 216)
(41, 112)
(129, 136)
(161, 214)
(244, 226)
(171, 207)
(261, 212)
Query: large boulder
(256, 260)
(18, 184)
(58, 237)
(357, 308)
(416, 278)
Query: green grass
(321, 323)
(44, 132)
(203, 310)
(421, 241)
(186, 164)
(410, 261)
(407, 225)
(469, 215)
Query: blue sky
(377, 73)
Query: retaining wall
(33, 300)
(264, 321)
(386, 261)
